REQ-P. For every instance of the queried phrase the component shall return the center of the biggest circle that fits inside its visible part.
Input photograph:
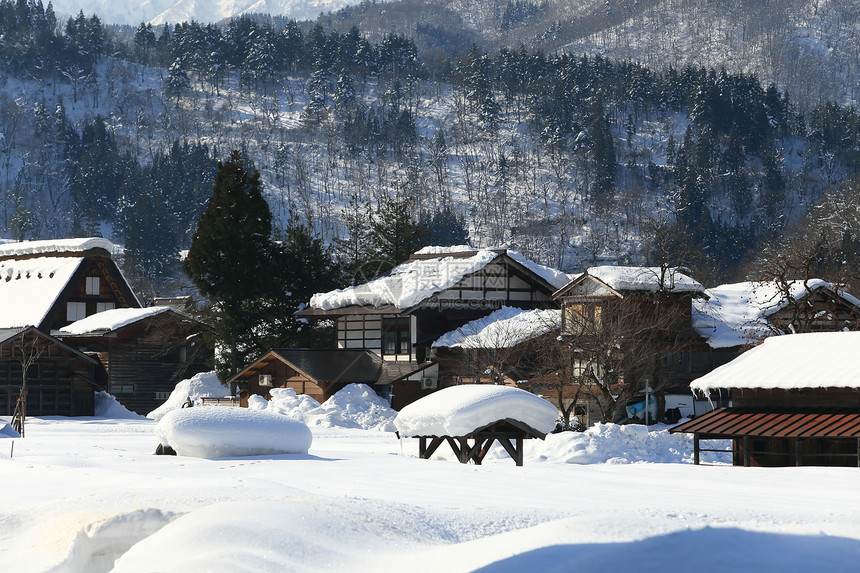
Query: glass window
(76, 311)
(103, 306)
(395, 335)
(93, 285)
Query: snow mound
(106, 406)
(615, 444)
(201, 385)
(6, 431)
(218, 432)
(355, 406)
(459, 410)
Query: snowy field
(81, 492)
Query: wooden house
(643, 312)
(320, 373)
(142, 352)
(49, 284)
(795, 400)
(60, 378)
(398, 316)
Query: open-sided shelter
(795, 400)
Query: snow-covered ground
(81, 492)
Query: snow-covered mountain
(133, 12)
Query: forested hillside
(572, 159)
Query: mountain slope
(172, 11)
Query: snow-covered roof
(30, 287)
(644, 279)
(418, 279)
(792, 361)
(736, 314)
(113, 319)
(460, 410)
(503, 328)
(55, 246)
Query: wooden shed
(795, 400)
(142, 352)
(59, 377)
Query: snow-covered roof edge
(56, 246)
(503, 328)
(791, 362)
(114, 319)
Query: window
(581, 318)
(162, 395)
(265, 380)
(76, 311)
(93, 285)
(122, 389)
(103, 306)
(395, 336)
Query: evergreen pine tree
(394, 233)
(231, 262)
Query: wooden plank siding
(58, 384)
(141, 363)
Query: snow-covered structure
(142, 352)
(47, 285)
(629, 308)
(210, 432)
(795, 400)
(398, 317)
(478, 413)
(74, 294)
(493, 349)
(742, 314)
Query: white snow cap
(736, 314)
(791, 361)
(113, 319)
(221, 432)
(645, 278)
(504, 328)
(460, 410)
(55, 246)
(29, 288)
(416, 280)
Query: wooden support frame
(475, 445)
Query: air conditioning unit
(428, 383)
(265, 380)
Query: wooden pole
(696, 449)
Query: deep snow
(82, 492)
(88, 495)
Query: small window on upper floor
(103, 306)
(93, 285)
(76, 311)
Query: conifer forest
(374, 139)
